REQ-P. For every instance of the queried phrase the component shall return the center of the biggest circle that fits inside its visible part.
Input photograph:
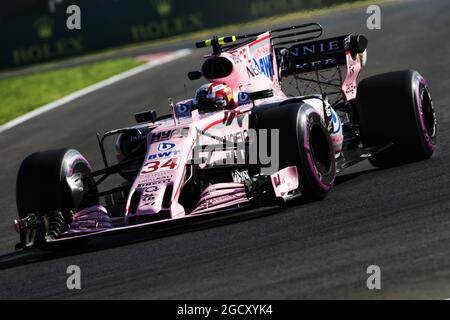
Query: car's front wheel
(43, 188)
(304, 142)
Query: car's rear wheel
(397, 108)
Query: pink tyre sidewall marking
(420, 88)
(310, 161)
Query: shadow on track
(24, 257)
(341, 179)
(19, 258)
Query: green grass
(22, 94)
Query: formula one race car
(241, 142)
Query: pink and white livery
(243, 141)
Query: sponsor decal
(148, 200)
(261, 58)
(151, 189)
(149, 195)
(162, 155)
(240, 176)
(328, 117)
(166, 146)
(252, 71)
(243, 98)
(336, 122)
(285, 181)
(236, 58)
(260, 47)
(155, 178)
(326, 63)
(277, 180)
(219, 200)
(170, 134)
(182, 108)
(316, 48)
(350, 88)
(160, 166)
(241, 55)
(138, 138)
(318, 54)
(155, 183)
(264, 65)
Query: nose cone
(154, 193)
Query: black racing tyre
(397, 108)
(40, 181)
(41, 186)
(304, 142)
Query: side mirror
(146, 116)
(194, 75)
(246, 100)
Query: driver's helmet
(214, 95)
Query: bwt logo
(165, 154)
(165, 146)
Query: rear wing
(318, 66)
(293, 51)
(319, 55)
(301, 56)
(281, 36)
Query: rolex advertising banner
(35, 31)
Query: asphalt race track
(398, 219)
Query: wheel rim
(428, 113)
(319, 150)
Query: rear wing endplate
(319, 55)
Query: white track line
(96, 86)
